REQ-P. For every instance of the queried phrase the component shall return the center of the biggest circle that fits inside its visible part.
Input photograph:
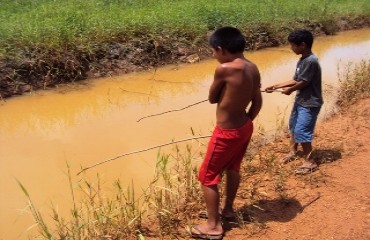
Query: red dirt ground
(330, 203)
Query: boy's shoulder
(312, 59)
(238, 64)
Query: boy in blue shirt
(308, 100)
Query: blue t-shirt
(308, 69)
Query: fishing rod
(275, 90)
(142, 150)
(180, 109)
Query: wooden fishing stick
(180, 109)
(142, 150)
(276, 90)
(175, 110)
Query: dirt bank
(37, 67)
(331, 203)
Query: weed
(354, 83)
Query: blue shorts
(302, 123)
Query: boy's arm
(217, 85)
(256, 100)
(280, 85)
(297, 86)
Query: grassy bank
(43, 43)
(172, 200)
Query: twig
(312, 201)
(143, 150)
(180, 109)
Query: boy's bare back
(236, 84)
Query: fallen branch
(172, 110)
(143, 150)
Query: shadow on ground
(263, 211)
(326, 155)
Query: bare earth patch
(330, 203)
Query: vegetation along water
(43, 42)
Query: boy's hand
(270, 89)
(287, 91)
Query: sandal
(200, 235)
(302, 170)
(288, 158)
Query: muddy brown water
(83, 124)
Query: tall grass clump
(354, 83)
(159, 209)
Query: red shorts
(225, 151)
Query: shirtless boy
(236, 85)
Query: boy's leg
(304, 134)
(309, 161)
(293, 145)
(231, 188)
(292, 153)
(212, 199)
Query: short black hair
(301, 36)
(228, 38)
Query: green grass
(59, 23)
(47, 42)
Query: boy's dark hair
(301, 36)
(228, 38)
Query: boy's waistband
(247, 122)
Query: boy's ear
(221, 50)
(218, 48)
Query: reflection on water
(87, 123)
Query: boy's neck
(306, 53)
(232, 57)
